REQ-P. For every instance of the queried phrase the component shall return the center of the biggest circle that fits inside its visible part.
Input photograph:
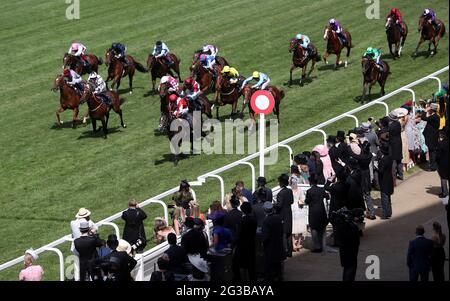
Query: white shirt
(164, 50)
(76, 78)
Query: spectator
(431, 134)
(298, 224)
(403, 115)
(31, 272)
(216, 210)
(86, 246)
(261, 182)
(222, 237)
(176, 255)
(354, 144)
(233, 217)
(294, 183)
(372, 138)
(440, 97)
(161, 230)
(338, 190)
(164, 274)
(326, 161)
(199, 268)
(285, 199)
(395, 142)
(385, 178)
(383, 131)
(195, 211)
(422, 146)
(194, 240)
(410, 131)
(442, 160)
(317, 215)
(274, 252)
(134, 230)
(246, 244)
(438, 255)
(419, 256)
(257, 208)
(244, 191)
(111, 245)
(342, 147)
(355, 198)
(82, 215)
(122, 262)
(302, 163)
(178, 221)
(183, 196)
(318, 164)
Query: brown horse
(75, 63)
(335, 45)
(395, 36)
(227, 93)
(202, 75)
(300, 60)
(117, 69)
(69, 98)
(98, 110)
(428, 33)
(164, 120)
(372, 74)
(278, 95)
(158, 67)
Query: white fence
(146, 260)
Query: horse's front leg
(58, 119)
(105, 126)
(313, 64)
(302, 80)
(85, 117)
(338, 62)
(325, 56)
(363, 97)
(418, 45)
(390, 50)
(74, 117)
(290, 74)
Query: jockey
(374, 54)
(337, 28)
(172, 81)
(120, 49)
(304, 42)
(208, 61)
(395, 14)
(192, 90)
(210, 49)
(179, 108)
(73, 79)
(100, 86)
(161, 50)
(231, 73)
(430, 16)
(78, 50)
(263, 80)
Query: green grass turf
(47, 173)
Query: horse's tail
(140, 67)
(281, 94)
(318, 58)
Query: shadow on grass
(368, 98)
(296, 82)
(424, 53)
(171, 158)
(69, 124)
(99, 133)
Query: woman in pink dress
(31, 272)
(327, 168)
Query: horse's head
(422, 23)
(109, 55)
(151, 62)
(195, 59)
(58, 83)
(163, 90)
(67, 60)
(247, 92)
(388, 23)
(366, 63)
(293, 45)
(87, 91)
(327, 32)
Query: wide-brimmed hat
(198, 262)
(393, 116)
(124, 246)
(321, 149)
(353, 136)
(366, 126)
(84, 225)
(433, 106)
(401, 112)
(82, 213)
(32, 253)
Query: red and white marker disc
(262, 102)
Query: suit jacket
(431, 131)
(285, 199)
(355, 198)
(395, 140)
(338, 195)
(195, 242)
(232, 221)
(245, 245)
(86, 246)
(134, 226)
(385, 177)
(333, 152)
(442, 158)
(317, 213)
(177, 256)
(342, 152)
(419, 254)
(259, 214)
(273, 239)
(269, 194)
(124, 263)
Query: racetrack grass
(49, 172)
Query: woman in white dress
(298, 212)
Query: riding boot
(343, 38)
(169, 60)
(436, 27)
(125, 62)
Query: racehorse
(99, 110)
(300, 60)
(372, 74)
(75, 63)
(202, 75)
(428, 33)
(117, 70)
(69, 98)
(226, 93)
(164, 120)
(158, 67)
(278, 95)
(335, 45)
(395, 36)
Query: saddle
(104, 99)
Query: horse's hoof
(124, 126)
(345, 64)
(61, 122)
(131, 92)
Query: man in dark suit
(342, 147)
(442, 160)
(355, 198)
(385, 178)
(419, 256)
(431, 134)
(317, 214)
(121, 262)
(134, 226)
(177, 255)
(86, 246)
(285, 199)
(194, 241)
(233, 220)
(257, 208)
(261, 181)
(395, 142)
(274, 252)
(245, 245)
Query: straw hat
(32, 253)
(124, 246)
(82, 213)
(198, 262)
